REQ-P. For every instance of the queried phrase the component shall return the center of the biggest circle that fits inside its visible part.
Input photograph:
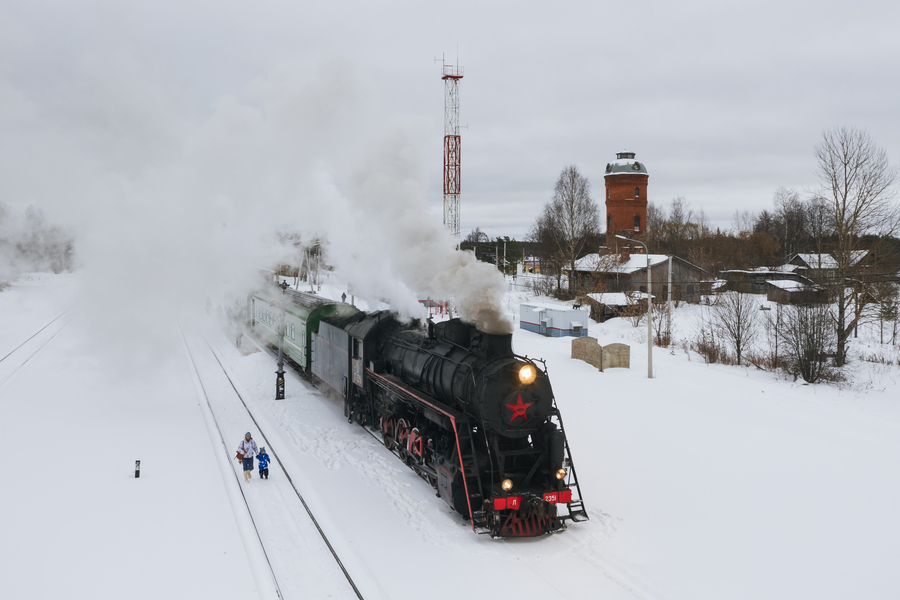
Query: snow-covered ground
(707, 481)
(75, 522)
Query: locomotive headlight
(527, 374)
(506, 485)
(561, 473)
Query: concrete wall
(602, 357)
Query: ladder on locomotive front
(577, 511)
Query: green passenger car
(302, 313)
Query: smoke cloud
(168, 208)
(396, 238)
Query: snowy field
(706, 482)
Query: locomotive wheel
(404, 455)
(416, 444)
(387, 433)
(402, 433)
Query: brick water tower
(626, 200)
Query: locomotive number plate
(564, 497)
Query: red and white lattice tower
(451, 74)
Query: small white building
(554, 321)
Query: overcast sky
(723, 101)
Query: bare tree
(736, 319)
(774, 335)
(792, 222)
(808, 334)
(543, 238)
(477, 235)
(662, 326)
(886, 295)
(818, 223)
(857, 187)
(656, 220)
(571, 218)
(635, 308)
(743, 223)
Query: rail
(306, 507)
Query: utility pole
(279, 374)
(669, 306)
(649, 306)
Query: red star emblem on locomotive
(518, 409)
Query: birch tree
(736, 320)
(857, 187)
(570, 219)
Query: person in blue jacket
(263, 459)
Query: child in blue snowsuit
(263, 459)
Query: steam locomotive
(456, 404)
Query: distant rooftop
(827, 261)
(625, 165)
(614, 263)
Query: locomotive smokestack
(466, 335)
(496, 345)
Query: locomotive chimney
(499, 344)
(468, 336)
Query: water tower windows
(637, 223)
(607, 193)
(637, 192)
(609, 221)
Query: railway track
(633, 585)
(247, 504)
(23, 348)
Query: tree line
(32, 244)
(853, 208)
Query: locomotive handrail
(571, 460)
(448, 413)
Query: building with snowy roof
(529, 264)
(783, 284)
(825, 266)
(784, 291)
(606, 305)
(628, 273)
(755, 281)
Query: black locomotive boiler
(475, 420)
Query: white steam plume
(166, 208)
(395, 233)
